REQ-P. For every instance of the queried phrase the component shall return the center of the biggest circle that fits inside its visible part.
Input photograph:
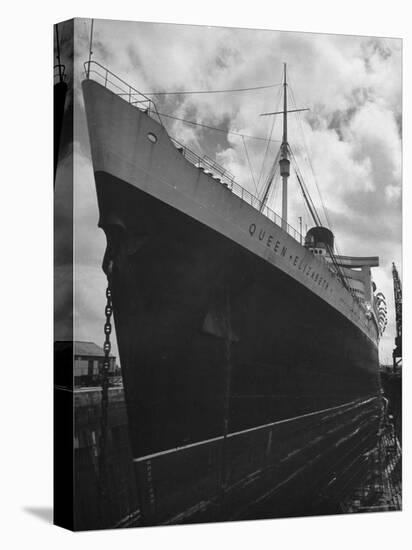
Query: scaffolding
(381, 488)
(397, 289)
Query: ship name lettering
(304, 267)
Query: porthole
(152, 137)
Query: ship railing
(225, 177)
(117, 85)
(219, 170)
(206, 164)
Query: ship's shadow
(44, 513)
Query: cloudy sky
(348, 145)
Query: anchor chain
(104, 377)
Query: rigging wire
(269, 180)
(217, 129)
(269, 139)
(250, 165)
(266, 152)
(274, 191)
(308, 157)
(306, 194)
(316, 219)
(215, 91)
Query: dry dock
(372, 483)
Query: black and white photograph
(227, 274)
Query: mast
(284, 161)
(59, 65)
(90, 49)
(285, 109)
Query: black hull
(215, 341)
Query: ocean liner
(249, 354)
